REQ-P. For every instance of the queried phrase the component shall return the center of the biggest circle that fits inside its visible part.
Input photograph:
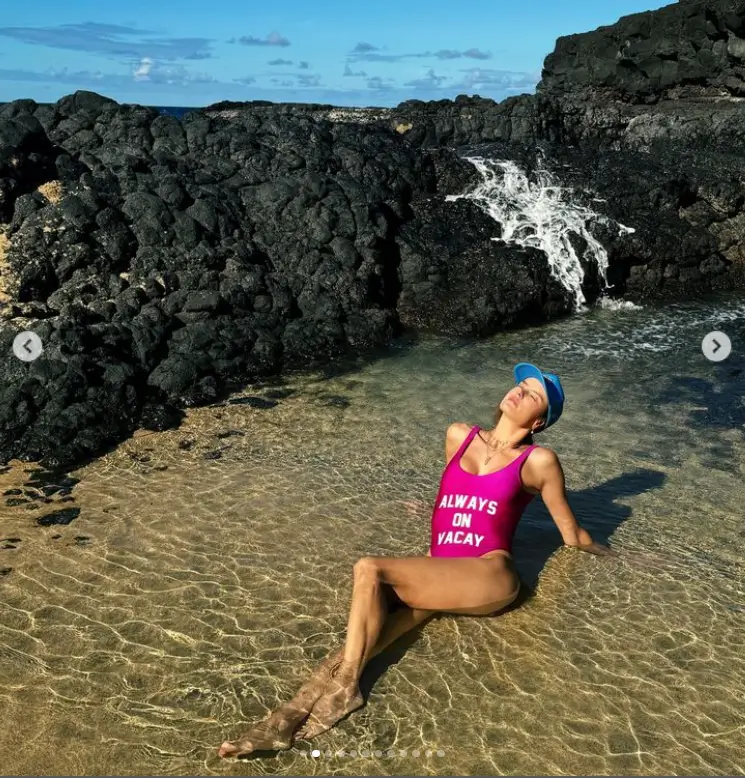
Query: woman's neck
(506, 434)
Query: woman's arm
(548, 477)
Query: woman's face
(525, 403)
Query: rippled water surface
(204, 571)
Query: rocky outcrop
(162, 261)
(685, 212)
(462, 282)
(693, 48)
(26, 158)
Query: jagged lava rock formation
(162, 261)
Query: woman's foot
(276, 732)
(339, 701)
(272, 734)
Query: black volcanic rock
(176, 256)
(26, 157)
(457, 279)
(163, 260)
(686, 49)
(674, 249)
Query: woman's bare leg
(474, 586)
(276, 732)
(460, 585)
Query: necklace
(500, 445)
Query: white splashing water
(611, 304)
(540, 215)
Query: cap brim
(525, 370)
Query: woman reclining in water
(489, 479)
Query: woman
(489, 479)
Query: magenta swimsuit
(475, 514)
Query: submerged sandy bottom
(195, 590)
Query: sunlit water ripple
(210, 568)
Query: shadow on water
(718, 405)
(538, 539)
(596, 510)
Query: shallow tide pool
(209, 569)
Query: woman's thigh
(393, 601)
(467, 585)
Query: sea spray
(541, 215)
(611, 304)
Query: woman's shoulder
(458, 430)
(455, 437)
(541, 465)
(542, 456)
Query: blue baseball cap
(552, 385)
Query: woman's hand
(642, 560)
(581, 539)
(598, 549)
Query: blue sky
(345, 53)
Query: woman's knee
(366, 568)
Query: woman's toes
(310, 729)
(228, 749)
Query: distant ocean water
(171, 110)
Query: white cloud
(111, 40)
(366, 52)
(308, 80)
(477, 54)
(506, 79)
(379, 84)
(147, 69)
(355, 73)
(142, 71)
(430, 81)
(364, 48)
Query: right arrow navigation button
(716, 346)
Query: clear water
(541, 214)
(183, 603)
